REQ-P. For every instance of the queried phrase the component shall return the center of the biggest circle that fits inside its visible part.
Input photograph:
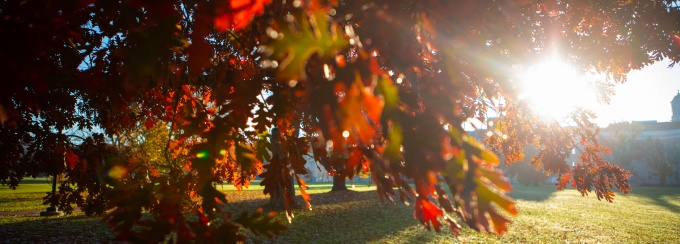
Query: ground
(647, 215)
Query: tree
(622, 138)
(388, 82)
(659, 157)
(281, 195)
(524, 171)
(335, 165)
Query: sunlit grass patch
(648, 215)
(21, 201)
(29, 185)
(28, 196)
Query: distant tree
(390, 81)
(662, 158)
(621, 138)
(523, 170)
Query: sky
(646, 95)
(553, 89)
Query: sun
(554, 89)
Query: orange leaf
(426, 212)
(357, 104)
(303, 192)
(237, 14)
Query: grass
(647, 215)
(28, 196)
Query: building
(633, 158)
(317, 173)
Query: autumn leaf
(427, 213)
(72, 159)
(247, 158)
(199, 55)
(292, 47)
(477, 149)
(237, 14)
(478, 187)
(303, 191)
(395, 138)
(357, 106)
(676, 39)
(389, 92)
(263, 147)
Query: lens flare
(202, 154)
(117, 172)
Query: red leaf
(676, 38)
(71, 159)
(202, 218)
(199, 54)
(237, 14)
(426, 212)
(150, 123)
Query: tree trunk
(339, 183)
(276, 199)
(662, 179)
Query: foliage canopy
(389, 84)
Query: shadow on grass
(660, 196)
(532, 193)
(345, 217)
(69, 229)
(318, 199)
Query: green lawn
(647, 215)
(28, 196)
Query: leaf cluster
(148, 104)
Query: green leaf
(475, 148)
(246, 157)
(390, 93)
(395, 138)
(263, 147)
(292, 47)
(469, 173)
(485, 198)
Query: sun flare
(554, 89)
